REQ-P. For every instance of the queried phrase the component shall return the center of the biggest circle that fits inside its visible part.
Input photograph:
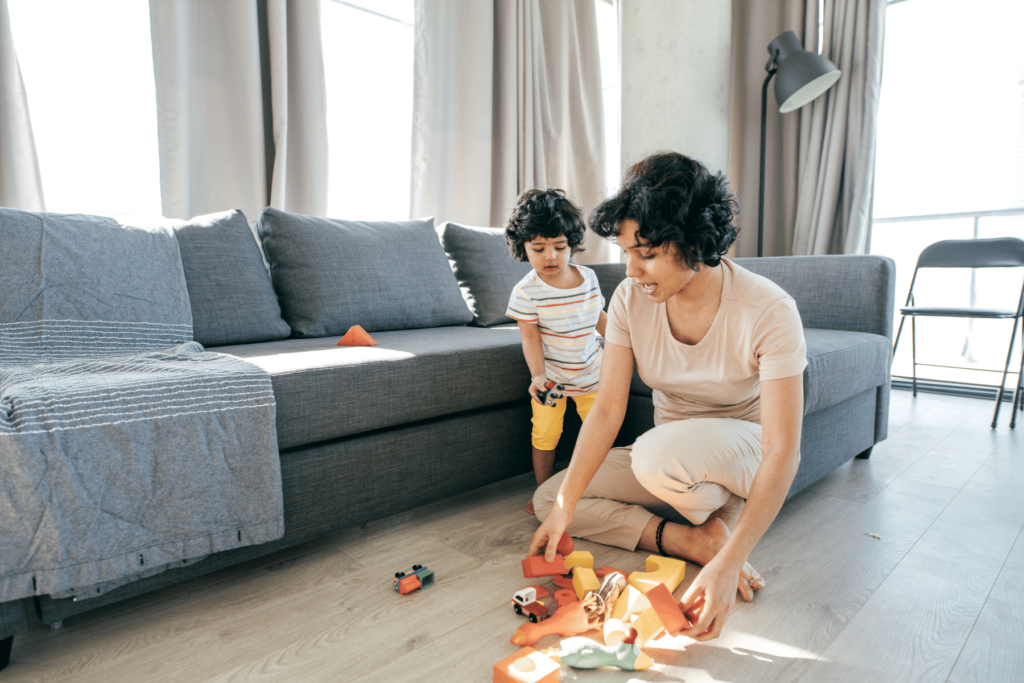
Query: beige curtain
(218, 145)
(20, 184)
(833, 213)
(819, 164)
(507, 96)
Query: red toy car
(526, 601)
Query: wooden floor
(937, 596)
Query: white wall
(675, 79)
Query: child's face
(549, 256)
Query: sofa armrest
(855, 293)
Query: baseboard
(952, 389)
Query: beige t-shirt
(757, 334)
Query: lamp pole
(760, 197)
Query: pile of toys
(627, 612)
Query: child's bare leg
(543, 468)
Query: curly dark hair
(675, 200)
(544, 213)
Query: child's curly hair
(544, 213)
(675, 200)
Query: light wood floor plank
(994, 652)
(913, 626)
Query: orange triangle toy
(357, 336)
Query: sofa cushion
(485, 269)
(233, 301)
(840, 364)
(326, 391)
(332, 274)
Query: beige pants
(690, 467)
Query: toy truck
(526, 601)
(550, 393)
(419, 577)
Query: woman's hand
(550, 533)
(537, 384)
(711, 596)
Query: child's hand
(537, 384)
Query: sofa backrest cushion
(485, 270)
(233, 301)
(332, 274)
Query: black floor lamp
(802, 76)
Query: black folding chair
(1001, 252)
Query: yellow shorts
(547, 420)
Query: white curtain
(212, 101)
(21, 186)
(819, 163)
(833, 214)
(507, 96)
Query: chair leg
(1018, 394)
(999, 394)
(913, 350)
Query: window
(950, 165)
(88, 71)
(368, 64)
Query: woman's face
(657, 271)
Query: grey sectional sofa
(439, 406)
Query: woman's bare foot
(701, 543)
(529, 508)
(730, 512)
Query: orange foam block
(660, 570)
(604, 570)
(663, 615)
(563, 596)
(563, 581)
(527, 666)
(565, 545)
(357, 336)
(568, 620)
(535, 566)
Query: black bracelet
(657, 537)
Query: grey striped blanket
(125, 448)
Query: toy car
(526, 601)
(550, 393)
(419, 577)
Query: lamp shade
(802, 75)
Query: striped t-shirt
(567, 319)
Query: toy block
(536, 566)
(666, 570)
(565, 545)
(568, 620)
(662, 602)
(408, 584)
(564, 596)
(614, 632)
(584, 653)
(646, 628)
(541, 592)
(357, 336)
(563, 581)
(630, 602)
(604, 570)
(527, 666)
(584, 580)
(579, 558)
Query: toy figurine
(550, 393)
(419, 577)
(584, 653)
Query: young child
(559, 306)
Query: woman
(723, 350)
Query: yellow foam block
(579, 558)
(631, 601)
(647, 626)
(666, 570)
(584, 580)
(614, 632)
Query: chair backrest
(998, 252)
